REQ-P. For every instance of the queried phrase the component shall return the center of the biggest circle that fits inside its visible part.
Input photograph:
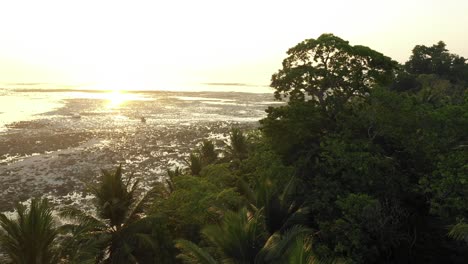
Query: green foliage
(283, 248)
(449, 185)
(236, 236)
(195, 164)
(264, 163)
(31, 237)
(208, 154)
(280, 204)
(268, 185)
(373, 149)
(301, 252)
(122, 234)
(330, 71)
(459, 231)
(356, 165)
(114, 196)
(293, 130)
(219, 175)
(197, 201)
(239, 237)
(366, 228)
(191, 253)
(237, 147)
(437, 60)
(203, 156)
(171, 174)
(434, 90)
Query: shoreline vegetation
(365, 163)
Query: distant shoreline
(64, 90)
(223, 87)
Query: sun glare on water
(116, 99)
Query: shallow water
(58, 148)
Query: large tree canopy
(437, 60)
(380, 148)
(329, 67)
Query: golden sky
(144, 44)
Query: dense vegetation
(366, 163)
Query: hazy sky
(151, 43)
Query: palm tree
(171, 174)
(31, 237)
(238, 238)
(242, 238)
(280, 204)
(120, 233)
(268, 230)
(237, 147)
(263, 233)
(195, 164)
(208, 153)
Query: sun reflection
(111, 98)
(115, 99)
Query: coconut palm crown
(30, 237)
(121, 232)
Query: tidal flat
(59, 153)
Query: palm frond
(240, 235)
(192, 253)
(238, 148)
(145, 240)
(459, 231)
(301, 253)
(247, 192)
(195, 164)
(208, 153)
(85, 247)
(113, 196)
(171, 174)
(140, 225)
(81, 217)
(279, 244)
(32, 235)
(296, 217)
(158, 191)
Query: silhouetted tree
(330, 71)
(437, 60)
